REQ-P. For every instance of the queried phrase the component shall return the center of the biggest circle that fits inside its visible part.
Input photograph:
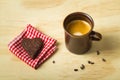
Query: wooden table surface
(48, 16)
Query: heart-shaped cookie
(32, 46)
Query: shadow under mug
(80, 44)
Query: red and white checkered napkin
(31, 32)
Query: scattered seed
(82, 67)
(75, 69)
(104, 60)
(53, 62)
(98, 52)
(90, 62)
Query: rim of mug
(81, 13)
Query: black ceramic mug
(80, 44)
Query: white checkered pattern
(31, 32)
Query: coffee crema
(78, 27)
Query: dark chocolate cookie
(32, 46)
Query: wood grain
(48, 16)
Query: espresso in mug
(78, 27)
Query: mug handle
(95, 36)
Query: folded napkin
(31, 32)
